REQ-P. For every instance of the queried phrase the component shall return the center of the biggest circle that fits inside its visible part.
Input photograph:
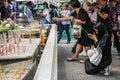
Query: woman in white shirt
(45, 15)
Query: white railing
(47, 67)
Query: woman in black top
(5, 10)
(103, 15)
(81, 17)
(101, 36)
(53, 12)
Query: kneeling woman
(101, 36)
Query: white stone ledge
(47, 68)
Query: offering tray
(26, 49)
(17, 70)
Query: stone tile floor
(75, 70)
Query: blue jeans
(44, 21)
(61, 29)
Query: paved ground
(75, 70)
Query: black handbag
(90, 68)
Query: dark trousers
(116, 39)
(61, 29)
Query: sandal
(81, 61)
(70, 59)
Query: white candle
(5, 42)
(30, 36)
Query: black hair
(105, 0)
(46, 4)
(117, 3)
(66, 5)
(28, 3)
(5, 0)
(52, 6)
(75, 3)
(101, 29)
(112, 0)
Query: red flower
(12, 23)
(4, 22)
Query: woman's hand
(37, 12)
(55, 19)
(115, 27)
(77, 21)
(71, 18)
(97, 9)
(118, 33)
(93, 37)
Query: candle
(30, 36)
(5, 42)
(0, 50)
(19, 36)
(12, 40)
(23, 47)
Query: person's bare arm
(79, 21)
(38, 13)
(102, 15)
(93, 7)
(62, 19)
(93, 37)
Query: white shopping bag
(77, 31)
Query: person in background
(114, 18)
(93, 6)
(45, 14)
(65, 24)
(71, 12)
(118, 35)
(6, 11)
(59, 9)
(92, 13)
(21, 7)
(28, 13)
(53, 13)
(118, 3)
(86, 3)
(32, 6)
(16, 8)
(118, 26)
(103, 15)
